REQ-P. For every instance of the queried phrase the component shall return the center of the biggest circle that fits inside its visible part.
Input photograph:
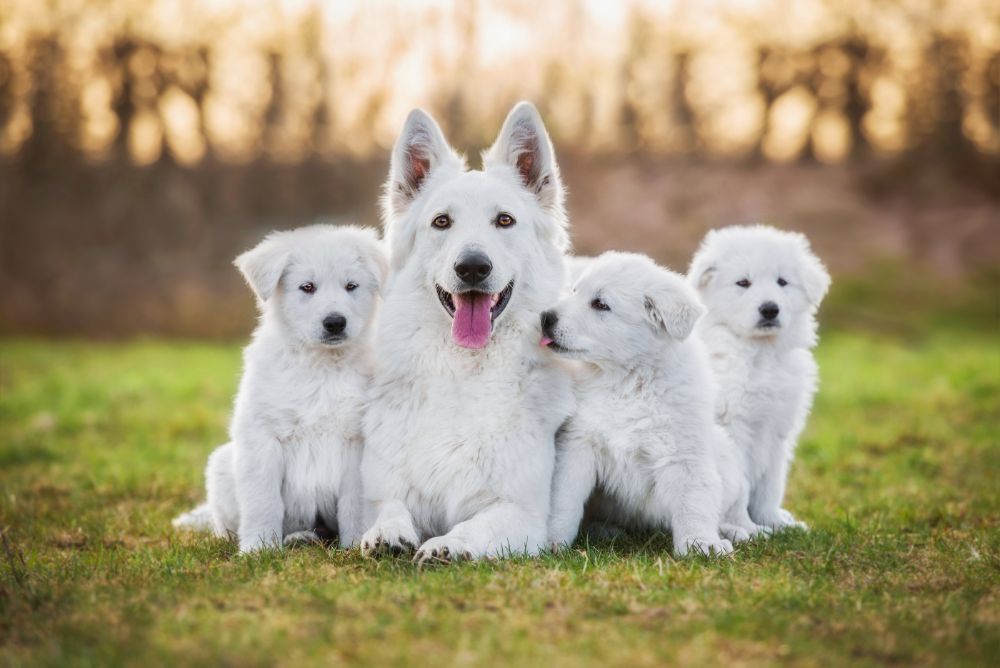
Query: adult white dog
(459, 436)
(295, 449)
(762, 288)
(643, 439)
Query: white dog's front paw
(443, 549)
(302, 538)
(781, 519)
(734, 533)
(256, 543)
(389, 538)
(707, 545)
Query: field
(102, 444)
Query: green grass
(101, 445)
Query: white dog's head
(480, 244)
(319, 283)
(621, 309)
(759, 282)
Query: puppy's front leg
(692, 492)
(349, 518)
(258, 492)
(499, 530)
(572, 482)
(767, 495)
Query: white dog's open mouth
(473, 313)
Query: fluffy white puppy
(643, 435)
(762, 288)
(459, 435)
(294, 456)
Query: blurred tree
(54, 109)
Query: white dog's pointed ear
(263, 265)
(420, 149)
(524, 145)
(815, 277)
(673, 307)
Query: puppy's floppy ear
(263, 265)
(379, 262)
(702, 269)
(524, 145)
(815, 278)
(420, 149)
(673, 306)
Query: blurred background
(145, 143)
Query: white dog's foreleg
(393, 530)
(693, 495)
(349, 504)
(258, 491)
(572, 482)
(500, 530)
(767, 495)
(220, 484)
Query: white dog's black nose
(769, 310)
(334, 323)
(473, 267)
(549, 320)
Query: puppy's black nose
(769, 310)
(335, 323)
(473, 267)
(549, 320)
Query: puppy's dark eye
(782, 282)
(505, 220)
(307, 288)
(351, 287)
(743, 283)
(442, 222)
(598, 305)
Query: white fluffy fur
(643, 440)
(295, 446)
(767, 376)
(459, 443)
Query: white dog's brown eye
(598, 305)
(505, 220)
(307, 288)
(743, 283)
(782, 282)
(442, 222)
(351, 287)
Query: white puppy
(294, 456)
(762, 288)
(459, 437)
(643, 435)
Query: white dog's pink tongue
(471, 325)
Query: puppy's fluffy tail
(199, 519)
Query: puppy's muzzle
(549, 320)
(334, 326)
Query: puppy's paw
(710, 546)
(388, 538)
(780, 520)
(443, 549)
(258, 543)
(302, 538)
(734, 533)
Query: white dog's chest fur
(449, 466)
(313, 410)
(763, 399)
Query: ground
(102, 444)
